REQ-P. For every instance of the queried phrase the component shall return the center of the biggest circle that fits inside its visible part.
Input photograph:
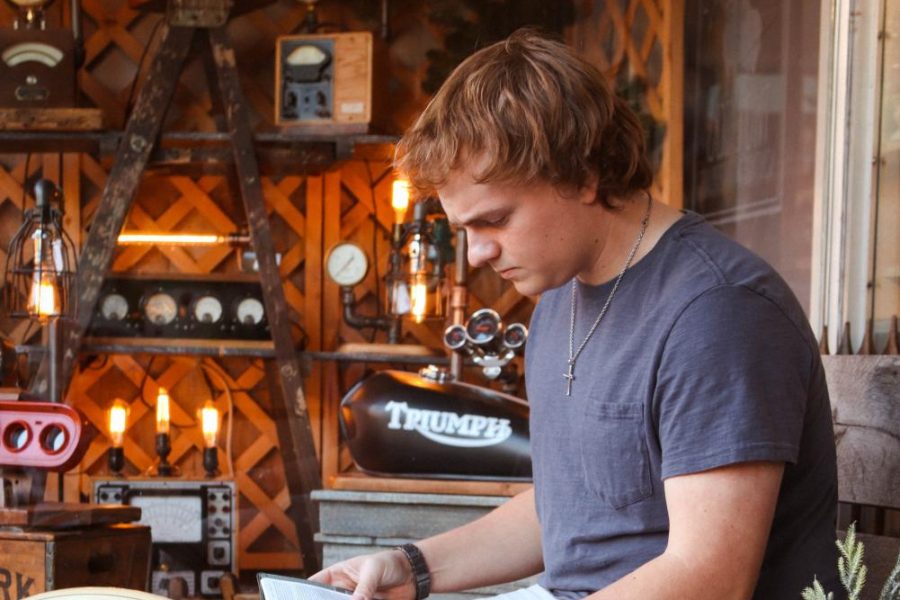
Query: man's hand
(383, 575)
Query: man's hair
(528, 108)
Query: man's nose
(482, 249)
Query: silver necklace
(573, 354)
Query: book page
(281, 588)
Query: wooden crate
(37, 561)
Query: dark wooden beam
(240, 6)
(295, 433)
(141, 132)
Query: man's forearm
(668, 577)
(504, 545)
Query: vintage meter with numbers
(193, 526)
(37, 62)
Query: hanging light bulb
(39, 274)
(400, 199)
(43, 301)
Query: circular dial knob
(346, 264)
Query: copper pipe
(459, 298)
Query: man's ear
(587, 194)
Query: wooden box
(323, 82)
(37, 561)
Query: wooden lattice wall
(309, 213)
(642, 40)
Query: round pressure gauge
(455, 337)
(161, 308)
(114, 307)
(483, 326)
(346, 264)
(515, 335)
(207, 309)
(250, 311)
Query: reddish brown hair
(535, 110)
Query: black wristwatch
(421, 574)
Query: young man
(680, 426)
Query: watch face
(347, 264)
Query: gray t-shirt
(704, 359)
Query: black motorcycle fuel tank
(401, 424)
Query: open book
(279, 587)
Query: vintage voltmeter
(37, 62)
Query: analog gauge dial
(250, 311)
(207, 309)
(455, 337)
(483, 326)
(515, 335)
(346, 264)
(161, 308)
(114, 307)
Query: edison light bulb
(209, 421)
(162, 411)
(118, 418)
(418, 298)
(400, 199)
(43, 301)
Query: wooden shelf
(262, 349)
(176, 143)
(256, 348)
(366, 483)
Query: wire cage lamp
(39, 277)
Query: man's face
(529, 234)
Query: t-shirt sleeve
(732, 383)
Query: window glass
(886, 296)
(750, 126)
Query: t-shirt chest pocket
(614, 456)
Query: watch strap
(421, 574)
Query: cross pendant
(569, 378)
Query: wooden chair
(865, 407)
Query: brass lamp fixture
(421, 248)
(40, 273)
